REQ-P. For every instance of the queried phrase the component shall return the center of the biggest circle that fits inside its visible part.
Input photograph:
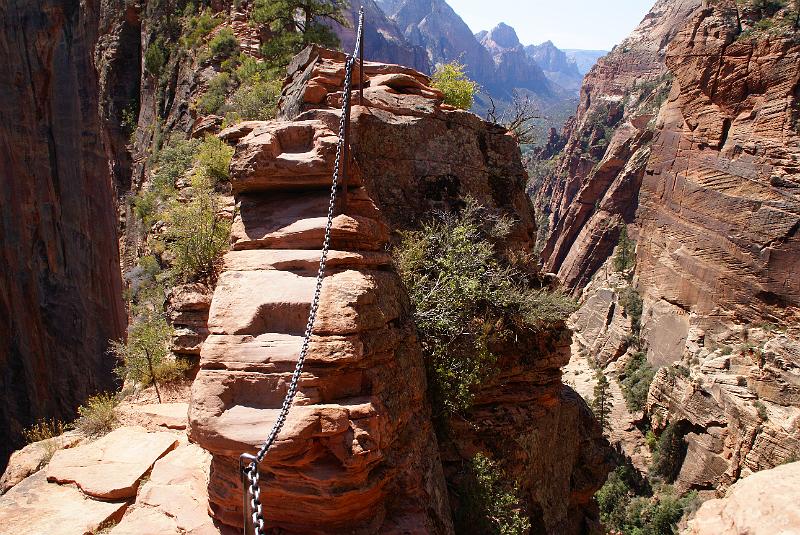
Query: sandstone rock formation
(514, 67)
(132, 481)
(557, 66)
(60, 285)
(708, 188)
(595, 183)
(361, 424)
(761, 504)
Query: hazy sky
(588, 24)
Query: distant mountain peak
(504, 36)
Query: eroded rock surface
(761, 504)
(358, 452)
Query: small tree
(625, 258)
(294, 24)
(517, 117)
(601, 404)
(143, 356)
(450, 79)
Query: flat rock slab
(36, 506)
(168, 415)
(174, 499)
(34, 456)
(111, 467)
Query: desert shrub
(450, 79)
(489, 502)
(44, 429)
(97, 416)
(761, 410)
(214, 98)
(467, 297)
(172, 162)
(636, 384)
(224, 44)
(197, 27)
(256, 101)
(214, 159)
(625, 257)
(197, 234)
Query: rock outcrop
(556, 65)
(514, 67)
(60, 289)
(358, 452)
(708, 188)
(762, 504)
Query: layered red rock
(413, 156)
(594, 186)
(357, 452)
(61, 287)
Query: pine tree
(601, 404)
(294, 24)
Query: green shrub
(256, 101)
(197, 27)
(467, 297)
(214, 98)
(155, 58)
(224, 44)
(489, 503)
(214, 159)
(450, 79)
(625, 258)
(172, 162)
(197, 234)
(668, 455)
(636, 384)
(97, 416)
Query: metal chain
(248, 464)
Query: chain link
(248, 464)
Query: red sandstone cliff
(60, 286)
(707, 184)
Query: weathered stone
(154, 415)
(174, 499)
(111, 467)
(761, 504)
(36, 506)
(33, 457)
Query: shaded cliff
(60, 289)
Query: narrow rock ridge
(357, 453)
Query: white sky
(587, 24)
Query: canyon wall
(687, 136)
(60, 286)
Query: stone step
(279, 221)
(283, 155)
(244, 422)
(277, 352)
(273, 301)
(306, 260)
